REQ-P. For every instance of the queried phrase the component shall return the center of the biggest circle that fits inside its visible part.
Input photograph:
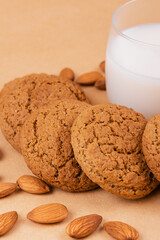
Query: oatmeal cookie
(151, 145)
(46, 146)
(106, 140)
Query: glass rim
(125, 35)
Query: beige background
(45, 36)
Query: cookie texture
(107, 144)
(46, 146)
(23, 95)
(151, 145)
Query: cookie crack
(27, 106)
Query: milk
(133, 69)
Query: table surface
(45, 36)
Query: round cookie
(23, 95)
(106, 140)
(46, 146)
(151, 145)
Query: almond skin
(7, 220)
(83, 226)
(88, 78)
(121, 231)
(48, 213)
(67, 73)
(100, 84)
(32, 184)
(7, 188)
(102, 66)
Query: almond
(48, 213)
(7, 188)
(121, 231)
(100, 84)
(7, 220)
(83, 226)
(102, 66)
(32, 184)
(67, 73)
(88, 78)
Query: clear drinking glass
(133, 57)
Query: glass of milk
(133, 57)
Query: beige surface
(45, 36)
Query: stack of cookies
(37, 112)
(75, 146)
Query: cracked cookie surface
(151, 145)
(23, 95)
(106, 140)
(46, 146)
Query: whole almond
(83, 226)
(121, 231)
(102, 66)
(88, 78)
(48, 213)
(100, 84)
(7, 220)
(32, 184)
(7, 188)
(67, 73)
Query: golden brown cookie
(46, 146)
(106, 140)
(151, 145)
(23, 95)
